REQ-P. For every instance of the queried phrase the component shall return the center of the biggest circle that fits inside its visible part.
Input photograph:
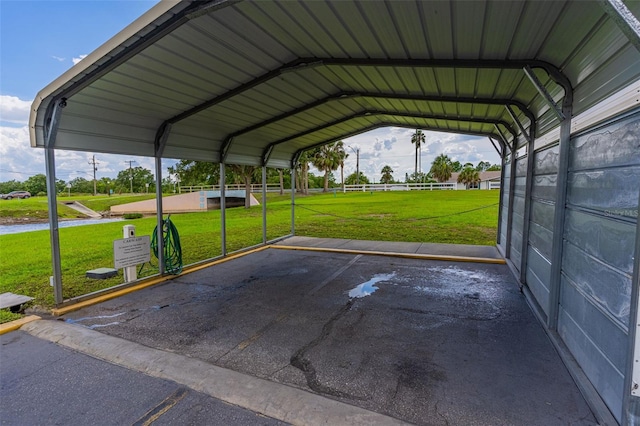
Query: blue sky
(40, 40)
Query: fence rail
(274, 187)
(400, 187)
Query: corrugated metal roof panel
(218, 72)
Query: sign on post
(131, 251)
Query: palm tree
(342, 155)
(327, 159)
(387, 175)
(441, 168)
(417, 138)
(302, 180)
(468, 176)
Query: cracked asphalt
(432, 343)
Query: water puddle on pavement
(93, 326)
(369, 287)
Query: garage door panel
(610, 339)
(603, 375)
(607, 286)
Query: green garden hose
(171, 246)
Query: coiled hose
(172, 250)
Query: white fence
(400, 187)
(255, 188)
(274, 187)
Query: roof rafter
(392, 96)
(370, 113)
(306, 63)
(296, 155)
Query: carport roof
(255, 83)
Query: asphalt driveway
(427, 342)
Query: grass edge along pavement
(466, 217)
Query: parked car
(16, 194)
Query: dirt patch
(21, 220)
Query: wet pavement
(428, 342)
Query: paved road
(42, 383)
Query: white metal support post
(512, 188)
(293, 199)
(50, 164)
(264, 205)
(631, 399)
(559, 213)
(223, 213)
(159, 219)
(53, 224)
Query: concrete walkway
(461, 250)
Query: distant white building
(488, 180)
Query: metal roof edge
(43, 97)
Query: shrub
(132, 215)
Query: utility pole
(130, 162)
(95, 169)
(357, 152)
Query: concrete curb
(448, 258)
(271, 399)
(14, 325)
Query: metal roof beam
(624, 19)
(499, 151)
(368, 113)
(297, 154)
(543, 92)
(504, 139)
(307, 63)
(162, 136)
(53, 122)
(350, 95)
(518, 123)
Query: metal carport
(554, 84)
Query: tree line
(135, 178)
(327, 158)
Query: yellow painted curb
(144, 284)
(394, 254)
(14, 325)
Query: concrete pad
(462, 250)
(434, 343)
(381, 246)
(9, 300)
(101, 273)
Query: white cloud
(78, 59)
(19, 161)
(58, 58)
(392, 146)
(14, 109)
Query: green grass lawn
(417, 216)
(36, 208)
